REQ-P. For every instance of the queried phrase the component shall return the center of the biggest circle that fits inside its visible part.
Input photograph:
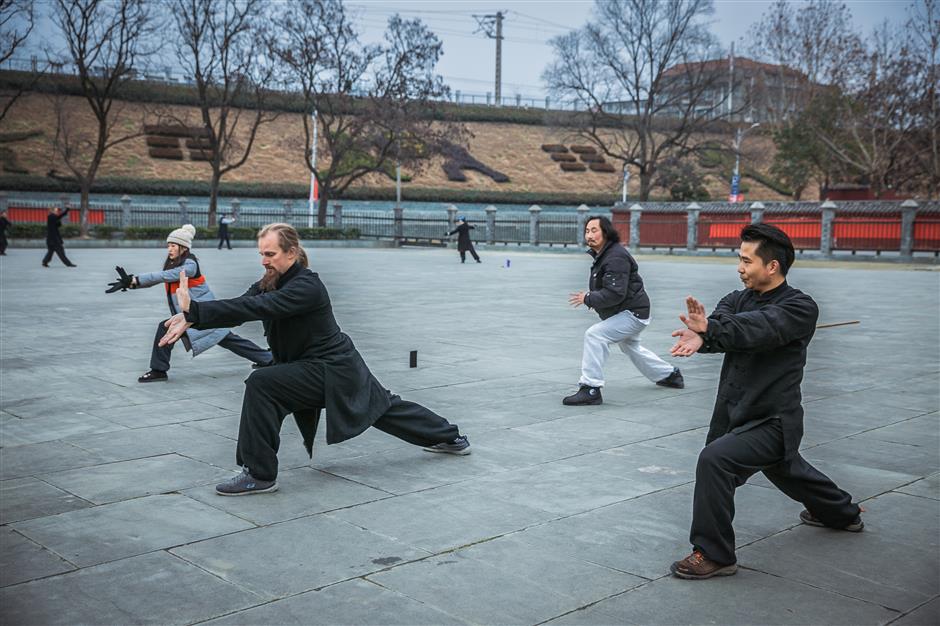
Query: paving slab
(297, 556)
(43, 458)
(26, 498)
(150, 589)
(111, 482)
(122, 529)
(928, 487)
(22, 560)
(927, 614)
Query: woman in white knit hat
(179, 257)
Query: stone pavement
(564, 515)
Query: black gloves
(124, 282)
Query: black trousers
(223, 238)
(727, 462)
(274, 392)
(58, 249)
(245, 348)
(473, 253)
(3, 243)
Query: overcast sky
(469, 57)
(469, 60)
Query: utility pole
(731, 82)
(314, 191)
(486, 23)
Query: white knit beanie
(183, 236)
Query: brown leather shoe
(697, 567)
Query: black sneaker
(674, 380)
(855, 526)
(245, 485)
(460, 445)
(585, 395)
(153, 376)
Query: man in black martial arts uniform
(316, 366)
(757, 422)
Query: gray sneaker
(460, 445)
(245, 485)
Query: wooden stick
(837, 324)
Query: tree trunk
(321, 206)
(85, 187)
(213, 198)
(646, 184)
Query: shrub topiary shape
(564, 157)
(175, 130)
(592, 158)
(601, 167)
(159, 141)
(458, 158)
(174, 154)
(572, 167)
(554, 147)
(583, 150)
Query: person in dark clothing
(617, 294)
(464, 245)
(223, 230)
(4, 225)
(316, 367)
(757, 422)
(54, 243)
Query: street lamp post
(736, 178)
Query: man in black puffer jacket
(617, 294)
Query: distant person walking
(464, 245)
(223, 230)
(4, 225)
(54, 243)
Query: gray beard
(269, 280)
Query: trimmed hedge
(243, 190)
(175, 130)
(200, 143)
(30, 230)
(174, 154)
(592, 158)
(573, 167)
(200, 155)
(159, 141)
(568, 158)
(602, 167)
(554, 147)
(583, 150)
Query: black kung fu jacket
(299, 324)
(53, 222)
(764, 338)
(463, 236)
(615, 283)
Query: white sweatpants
(623, 329)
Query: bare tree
(647, 73)
(374, 104)
(17, 18)
(924, 28)
(219, 46)
(104, 39)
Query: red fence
(927, 233)
(23, 214)
(663, 229)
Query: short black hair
(610, 233)
(772, 244)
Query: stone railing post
(451, 217)
(490, 224)
(757, 212)
(4, 201)
(399, 224)
(184, 209)
(534, 212)
(288, 210)
(691, 226)
(236, 206)
(636, 212)
(583, 211)
(125, 211)
(63, 202)
(338, 216)
(828, 209)
(908, 213)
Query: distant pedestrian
(464, 245)
(54, 242)
(617, 294)
(179, 258)
(223, 230)
(4, 225)
(756, 426)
